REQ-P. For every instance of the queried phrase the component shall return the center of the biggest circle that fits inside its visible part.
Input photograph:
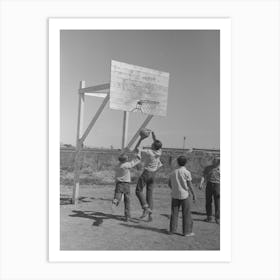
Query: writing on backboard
(133, 87)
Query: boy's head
(181, 160)
(123, 158)
(216, 162)
(156, 145)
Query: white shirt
(178, 181)
(152, 160)
(122, 170)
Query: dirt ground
(93, 226)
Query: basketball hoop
(145, 106)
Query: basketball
(144, 133)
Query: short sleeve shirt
(212, 174)
(178, 180)
(122, 171)
(152, 160)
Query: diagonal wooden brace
(94, 119)
(134, 138)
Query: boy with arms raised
(147, 178)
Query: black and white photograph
(140, 140)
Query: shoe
(146, 212)
(189, 234)
(127, 219)
(150, 219)
(208, 220)
(217, 221)
(113, 207)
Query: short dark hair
(182, 160)
(216, 162)
(157, 145)
(123, 158)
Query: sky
(192, 57)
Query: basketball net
(145, 106)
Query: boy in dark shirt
(211, 177)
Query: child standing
(123, 180)
(147, 178)
(211, 177)
(181, 187)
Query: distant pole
(184, 142)
(125, 127)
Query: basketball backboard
(138, 89)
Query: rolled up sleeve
(188, 175)
(131, 164)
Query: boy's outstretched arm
(134, 162)
(190, 185)
(154, 136)
(137, 145)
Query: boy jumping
(123, 179)
(147, 178)
(181, 187)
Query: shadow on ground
(202, 219)
(65, 200)
(145, 228)
(98, 217)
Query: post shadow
(98, 217)
(158, 230)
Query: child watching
(147, 178)
(123, 180)
(211, 178)
(181, 187)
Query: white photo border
(57, 24)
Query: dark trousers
(123, 188)
(213, 191)
(186, 212)
(146, 179)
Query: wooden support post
(79, 145)
(125, 128)
(134, 138)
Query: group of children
(179, 183)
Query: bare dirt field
(93, 226)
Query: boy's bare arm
(169, 184)
(133, 163)
(190, 185)
(137, 145)
(202, 180)
(154, 136)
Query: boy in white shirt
(180, 182)
(147, 178)
(123, 180)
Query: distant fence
(97, 165)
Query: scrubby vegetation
(97, 166)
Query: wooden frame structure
(103, 91)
